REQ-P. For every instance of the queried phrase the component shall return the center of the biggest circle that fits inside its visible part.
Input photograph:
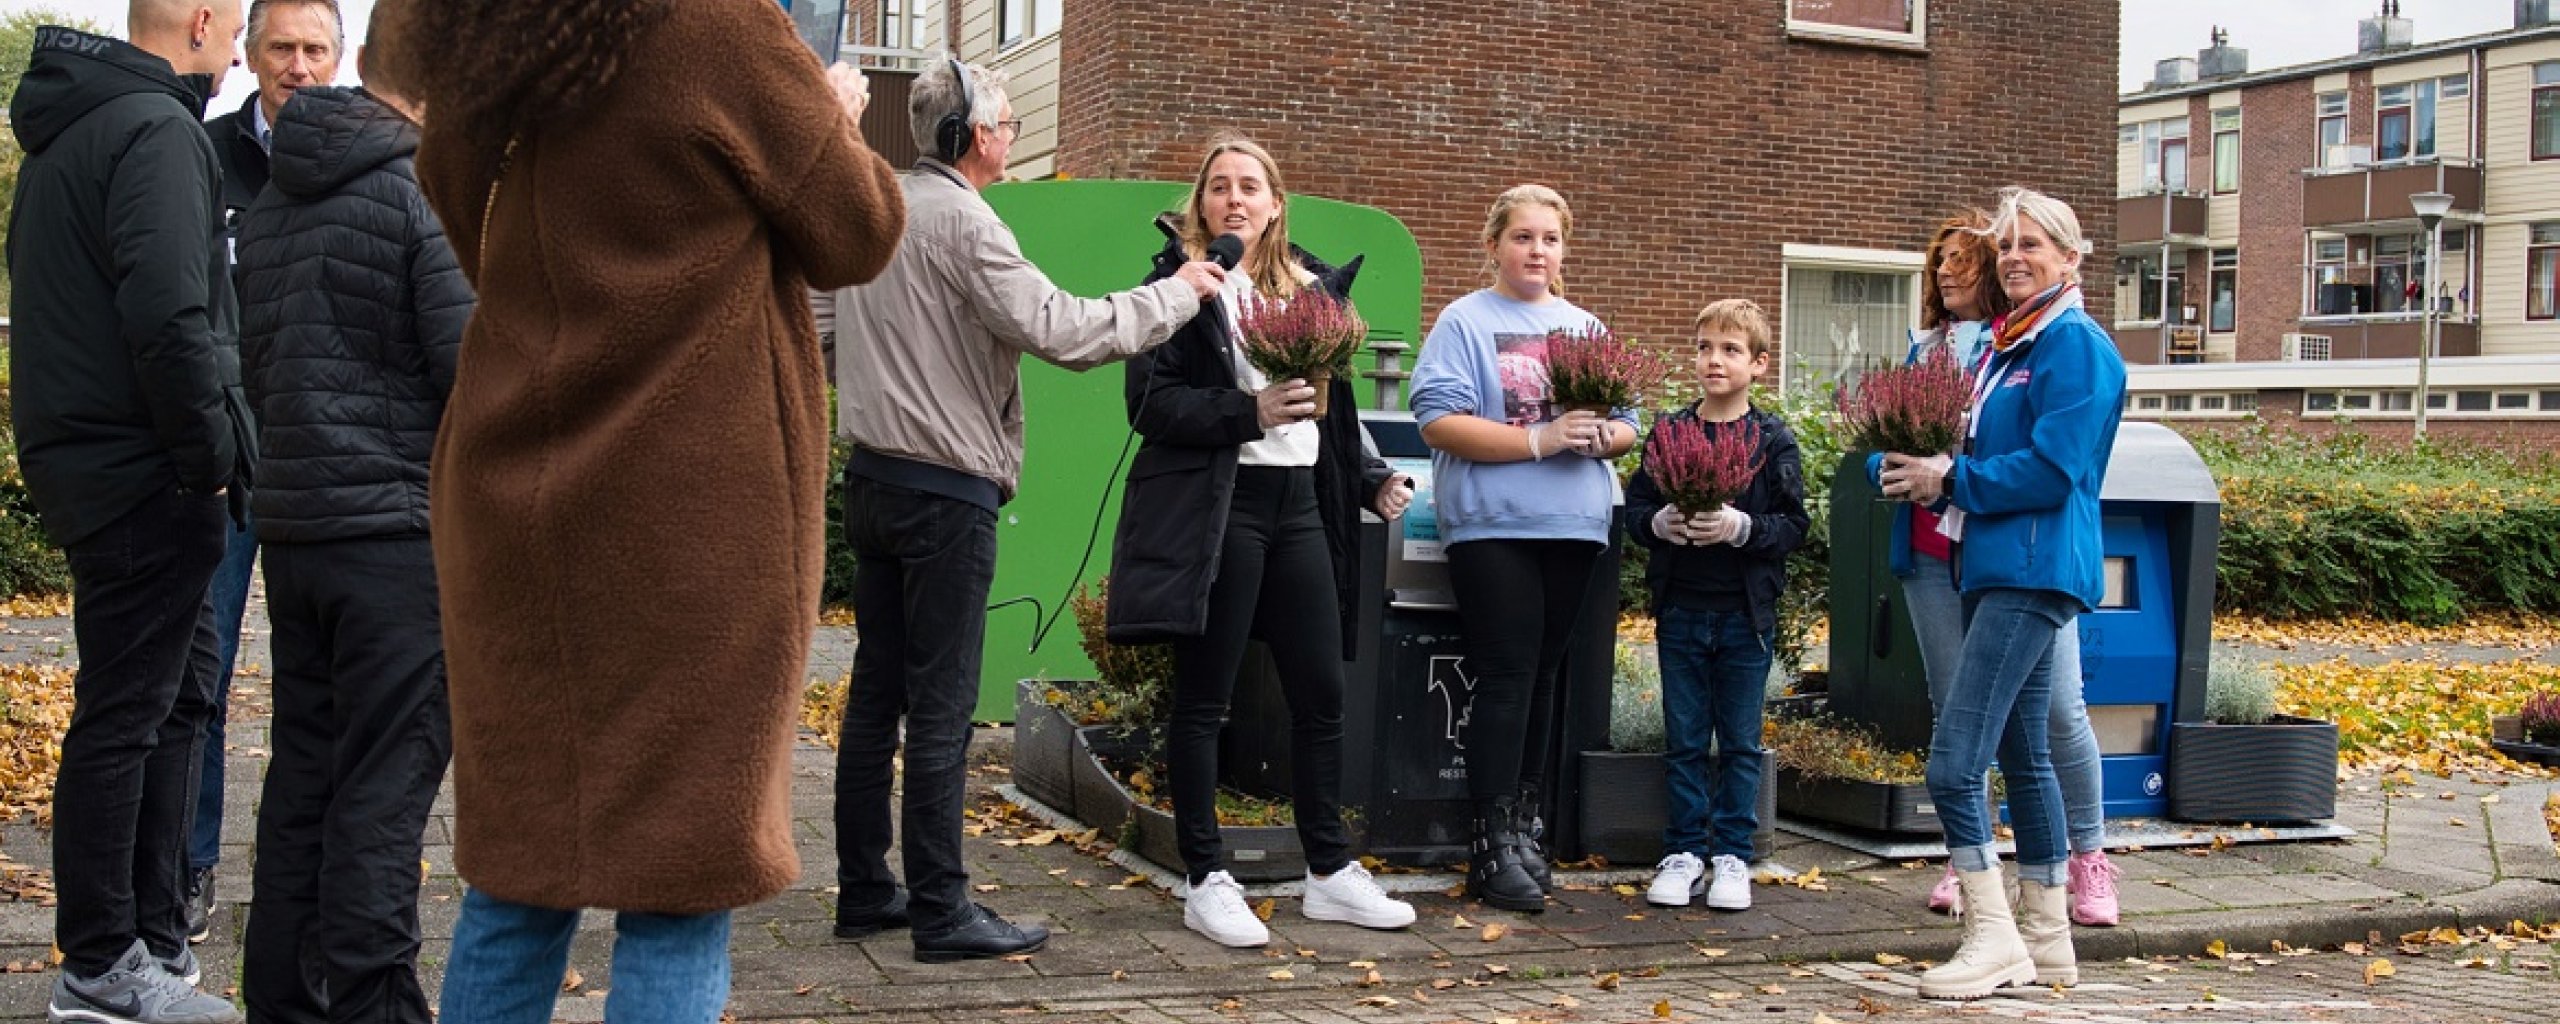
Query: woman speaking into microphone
(1241, 520)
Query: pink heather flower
(1698, 472)
(1915, 410)
(1294, 338)
(1594, 367)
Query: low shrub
(1635, 701)
(2238, 692)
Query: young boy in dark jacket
(353, 315)
(1716, 575)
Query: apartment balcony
(2371, 195)
(2381, 336)
(2175, 219)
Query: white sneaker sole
(1236, 940)
(2020, 973)
(1688, 892)
(1729, 903)
(1400, 915)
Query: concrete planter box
(2534, 753)
(1626, 801)
(1857, 803)
(2283, 771)
(1044, 740)
(1255, 853)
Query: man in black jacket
(352, 317)
(291, 44)
(128, 425)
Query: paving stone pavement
(2437, 854)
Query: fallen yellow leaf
(1662, 1009)
(1495, 931)
(1283, 974)
(1891, 960)
(1606, 982)
(2377, 970)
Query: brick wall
(1693, 139)
(2278, 133)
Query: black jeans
(1275, 582)
(126, 792)
(361, 737)
(1519, 600)
(923, 564)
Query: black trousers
(1519, 600)
(361, 737)
(1274, 582)
(125, 795)
(923, 564)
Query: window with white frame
(2542, 272)
(2222, 298)
(1019, 21)
(2142, 288)
(2332, 131)
(1891, 22)
(2404, 121)
(2164, 153)
(1846, 310)
(2546, 110)
(2226, 151)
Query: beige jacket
(928, 356)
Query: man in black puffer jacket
(353, 311)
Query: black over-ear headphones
(952, 136)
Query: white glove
(1571, 430)
(1725, 525)
(1670, 525)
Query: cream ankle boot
(2044, 924)
(1992, 954)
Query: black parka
(352, 316)
(122, 358)
(244, 166)
(1184, 400)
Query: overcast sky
(2281, 33)
(237, 85)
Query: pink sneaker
(2093, 889)
(1947, 898)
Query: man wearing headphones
(928, 375)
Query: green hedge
(2430, 533)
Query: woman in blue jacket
(1955, 315)
(2024, 519)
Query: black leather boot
(1494, 873)
(1532, 830)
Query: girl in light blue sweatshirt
(1524, 496)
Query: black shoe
(854, 923)
(1494, 874)
(1532, 830)
(200, 905)
(981, 935)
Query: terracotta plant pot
(1321, 379)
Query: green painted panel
(1094, 238)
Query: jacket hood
(72, 73)
(328, 136)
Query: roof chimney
(2222, 59)
(2174, 72)
(2534, 13)
(2390, 31)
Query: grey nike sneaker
(184, 967)
(138, 989)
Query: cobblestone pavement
(2465, 853)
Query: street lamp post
(2430, 208)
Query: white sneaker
(1352, 895)
(1675, 880)
(1216, 908)
(1732, 888)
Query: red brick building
(2270, 260)
(1794, 152)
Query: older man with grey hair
(928, 369)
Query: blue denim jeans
(1715, 679)
(508, 959)
(1937, 617)
(2000, 704)
(229, 599)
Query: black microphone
(1226, 251)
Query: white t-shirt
(1288, 445)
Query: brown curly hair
(505, 65)
(1962, 246)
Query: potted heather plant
(1595, 370)
(1699, 473)
(2246, 762)
(2533, 732)
(1312, 337)
(1916, 409)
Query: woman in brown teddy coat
(629, 481)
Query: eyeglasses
(1012, 128)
